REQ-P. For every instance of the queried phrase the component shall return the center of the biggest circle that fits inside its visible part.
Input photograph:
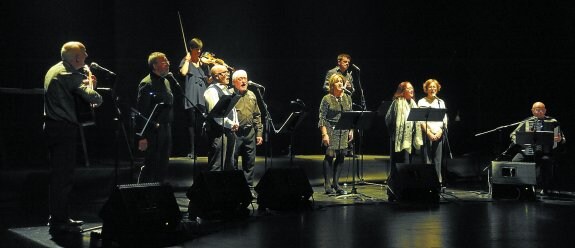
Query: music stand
(223, 107)
(383, 108)
(289, 126)
(426, 114)
(355, 120)
(149, 118)
(543, 138)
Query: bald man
(542, 156)
(220, 131)
(65, 83)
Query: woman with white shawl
(405, 135)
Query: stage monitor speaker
(134, 211)
(284, 189)
(219, 194)
(513, 180)
(413, 182)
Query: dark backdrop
(493, 60)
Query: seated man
(541, 155)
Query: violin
(210, 59)
(84, 110)
(90, 81)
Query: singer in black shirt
(343, 62)
(154, 92)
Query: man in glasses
(220, 131)
(154, 92)
(541, 155)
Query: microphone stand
(360, 132)
(195, 106)
(447, 143)
(498, 129)
(197, 109)
(267, 133)
(119, 126)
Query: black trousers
(246, 149)
(222, 144)
(157, 154)
(61, 140)
(194, 128)
(544, 165)
(432, 154)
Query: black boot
(327, 165)
(335, 185)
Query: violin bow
(182, 29)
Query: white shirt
(211, 97)
(434, 126)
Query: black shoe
(350, 154)
(339, 190)
(328, 191)
(56, 229)
(191, 156)
(68, 222)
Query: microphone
(95, 65)
(256, 85)
(355, 66)
(171, 75)
(438, 101)
(347, 91)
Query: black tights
(332, 169)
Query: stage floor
(465, 216)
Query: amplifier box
(517, 173)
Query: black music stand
(383, 108)
(289, 126)
(543, 138)
(425, 115)
(149, 118)
(355, 120)
(223, 107)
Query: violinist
(196, 71)
(63, 82)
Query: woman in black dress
(334, 141)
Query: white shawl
(404, 129)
